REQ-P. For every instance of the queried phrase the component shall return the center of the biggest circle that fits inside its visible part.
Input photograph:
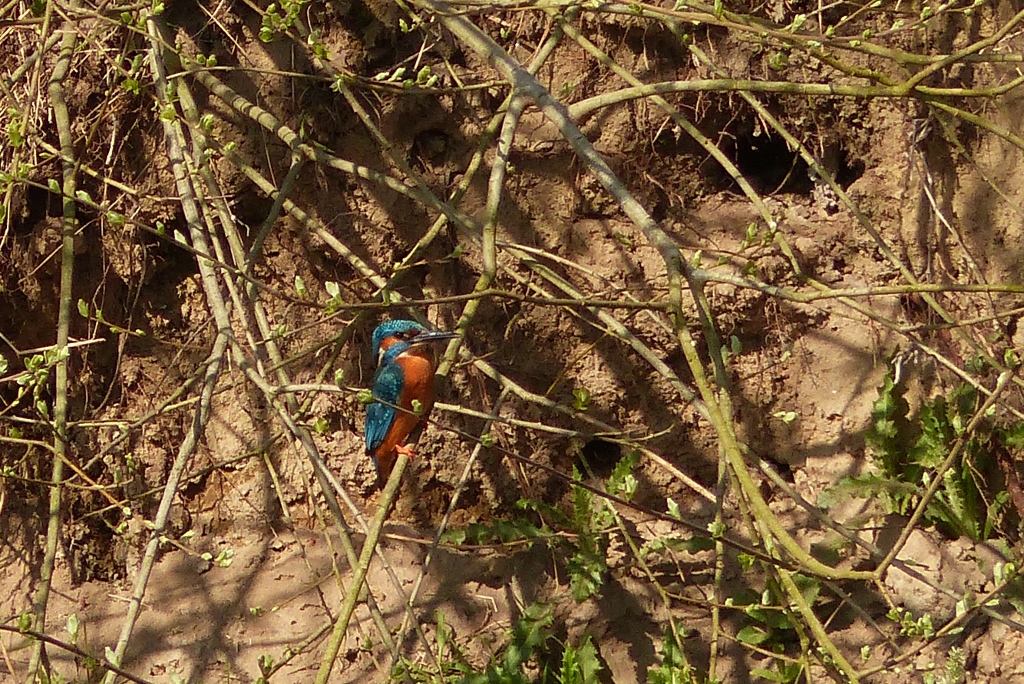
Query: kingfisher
(405, 374)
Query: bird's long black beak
(428, 336)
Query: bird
(405, 373)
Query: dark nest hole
(762, 157)
(600, 457)
(768, 163)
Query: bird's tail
(384, 463)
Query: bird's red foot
(405, 451)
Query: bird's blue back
(387, 387)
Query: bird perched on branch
(403, 389)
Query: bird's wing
(387, 386)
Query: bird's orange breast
(418, 385)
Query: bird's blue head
(403, 332)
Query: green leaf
(752, 635)
(692, 544)
(72, 626)
(581, 398)
(586, 570)
(25, 622)
(782, 677)
(697, 543)
(866, 486)
(673, 668)
(321, 426)
(453, 537)
(1012, 436)
(770, 616)
(993, 514)
(531, 630)
(14, 134)
(735, 345)
(621, 482)
(224, 558)
(809, 587)
(580, 665)
(478, 533)
(786, 417)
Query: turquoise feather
(387, 387)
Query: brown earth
(804, 375)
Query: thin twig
(60, 405)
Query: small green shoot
(15, 133)
(786, 417)
(266, 664)
(278, 20)
(321, 426)
(335, 302)
(581, 398)
(909, 627)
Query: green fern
(908, 450)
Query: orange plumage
(405, 374)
